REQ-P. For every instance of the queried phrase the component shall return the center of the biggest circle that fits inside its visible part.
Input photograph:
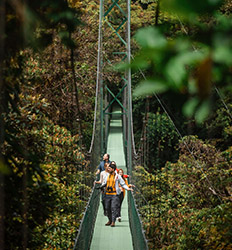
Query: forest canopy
(182, 116)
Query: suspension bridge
(121, 233)
(112, 133)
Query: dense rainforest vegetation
(185, 173)
(182, 112)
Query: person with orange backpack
(112, 195)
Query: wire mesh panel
(139, 240)
(85, 232)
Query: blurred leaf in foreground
(150, 86)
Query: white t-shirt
(103, 175)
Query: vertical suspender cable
(101, 86)
(99, 76)
(129, 151)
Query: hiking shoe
(112, 224)
(108, 223)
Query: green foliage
(195, 8)
(23, 142)
(26, 25)
(56, 178)
(188, 203)
(187, 65)
(48, 178)
(44, 160)
(67, 186)
(219, 125)
(33, 24)
(150, 86)
(162, 138)
(50, 73)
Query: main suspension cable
(98, 76)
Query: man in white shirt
(111, 199)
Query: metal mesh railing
(138, 236)
(85, 232)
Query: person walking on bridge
(112, 200)
(106, 159)
(117, 170)
(122, 194)
(103, 175)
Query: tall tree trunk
(77, 113)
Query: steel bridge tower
(114, 86)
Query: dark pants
(103, 202)
(112, 203)
(121, 197)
